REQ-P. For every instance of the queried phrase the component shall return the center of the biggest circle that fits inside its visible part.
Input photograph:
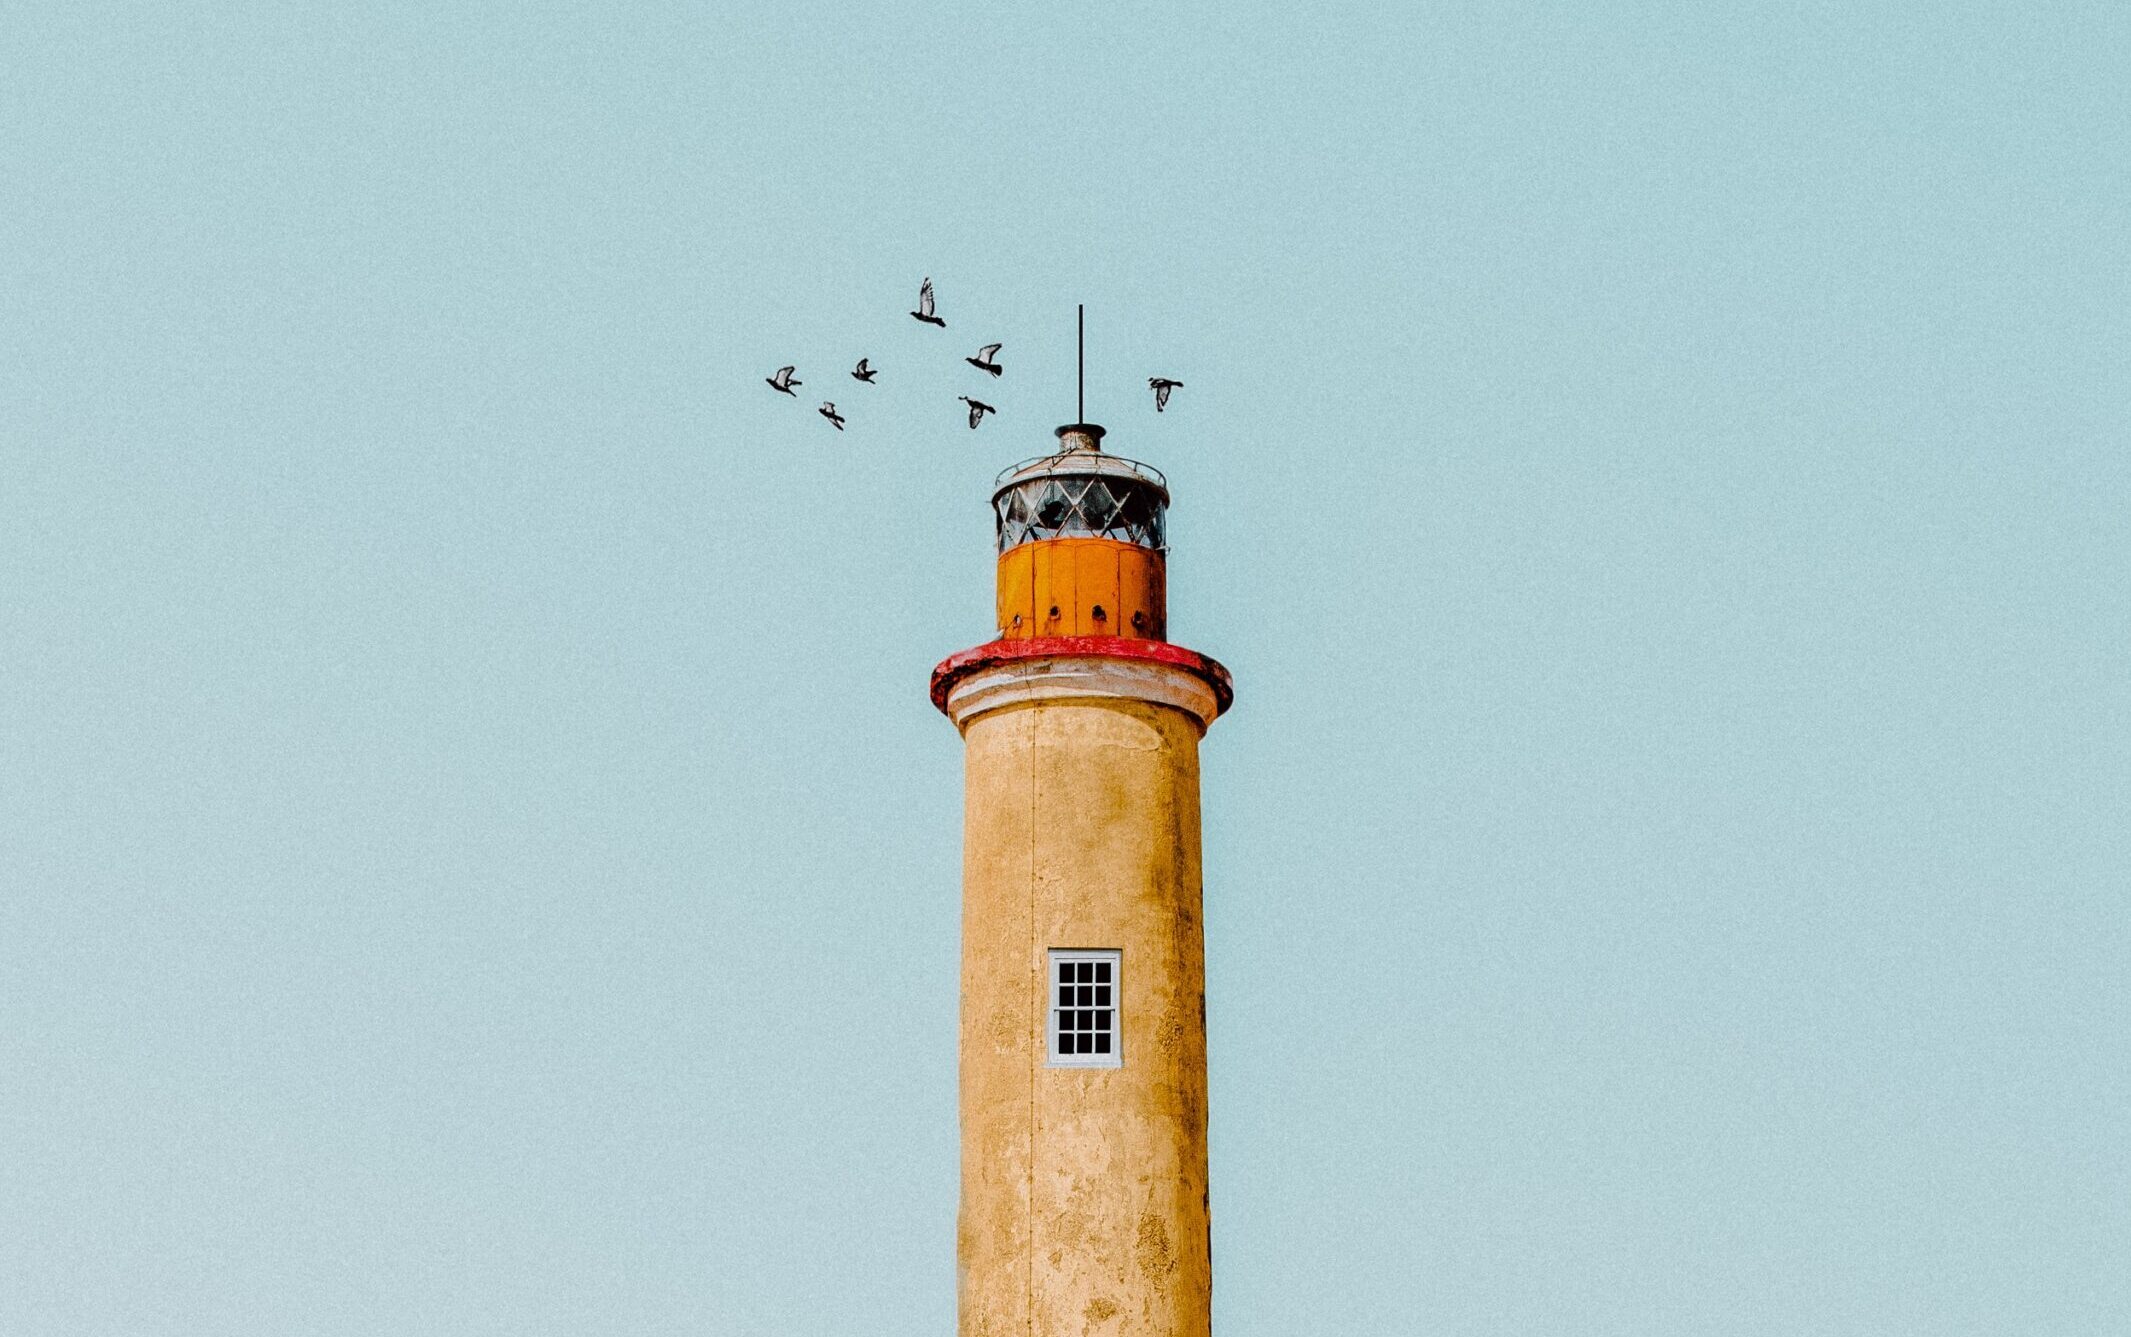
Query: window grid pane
(1083, 1016)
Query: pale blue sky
(475, 852)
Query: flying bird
(983, 360)
(977, 410)
(863, 372)
(835, 419)
(783, 380)
(1161, 385)
(924, 311)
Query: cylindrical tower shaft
(1084, 1191)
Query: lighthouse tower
(1083, 1052)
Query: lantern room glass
(1081, 506)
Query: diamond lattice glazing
(1069, 507)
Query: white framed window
(1082, 1018)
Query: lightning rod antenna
(1082, 403)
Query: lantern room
(1081, 543)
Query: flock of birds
(986, 360)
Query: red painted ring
(956, 667)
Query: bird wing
(861, 366)
(784, 375)
(988, 352)
(1161, 395)
(925, 298)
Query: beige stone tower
(1085, 1207)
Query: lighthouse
(1085, 1205)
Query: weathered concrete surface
(1084, 1190)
